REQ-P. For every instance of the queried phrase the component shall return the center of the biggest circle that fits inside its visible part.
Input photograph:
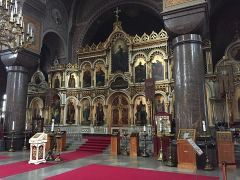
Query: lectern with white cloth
(37, 148)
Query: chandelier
(12, 31)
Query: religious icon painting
(100, 77)
(140, 70)
(87, 79)
(119, 56)
(71, 111)
(159, 103)
(158, 68)
(86, 112)
(56, 109)
(57, 81)
(140, 110)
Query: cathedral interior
(160, 70)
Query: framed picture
(186, 134)
(37, 125)
(163, 122)
(115, 131)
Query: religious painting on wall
(36, 107)
(119, 56)
(57, 81)
(125, 111)
(56, 109)
(99, 114)
(100, 77)
(140, 111)
(86, 112)
(71, 81)
(70, 119)
(87, 79)
(120, 110)
(140, 70)
(159, 104)
(158, 68)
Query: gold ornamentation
(169, 3)
(12, 34)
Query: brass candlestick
(11, 146)
(170, 162)
(208, 165)
(25, 140)
(160, 157)
(125, 152)
(145, 154)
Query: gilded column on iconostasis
(50, 80)
(63, 79)
(132, 114)
(62, 114)
(106, 118)
(92, 115)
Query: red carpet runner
(23, 166)
(103, 172)
(95, 144)
(4, 157)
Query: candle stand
(125, 151)
(145, 154)
(11, 146)
(160, 157)
(25, 140)
(170, 162)
(208, 165)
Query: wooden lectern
(134, 144)
(115, 144)
(225, 147)
(185, 152)
(61, 141)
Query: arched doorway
(120, 112)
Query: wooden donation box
(37, 148)
(185, 152)
(134, 144)
(115, 144)
(225, 147)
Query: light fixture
(12, 31)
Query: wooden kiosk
(225, 147)
(134, 144)
(185, 152)
(37, 148)
(115, 143)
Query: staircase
(96, 144)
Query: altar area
(106, 87)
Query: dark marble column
(18, 66)
(186, 23)
(17, 81)
(189, 81)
